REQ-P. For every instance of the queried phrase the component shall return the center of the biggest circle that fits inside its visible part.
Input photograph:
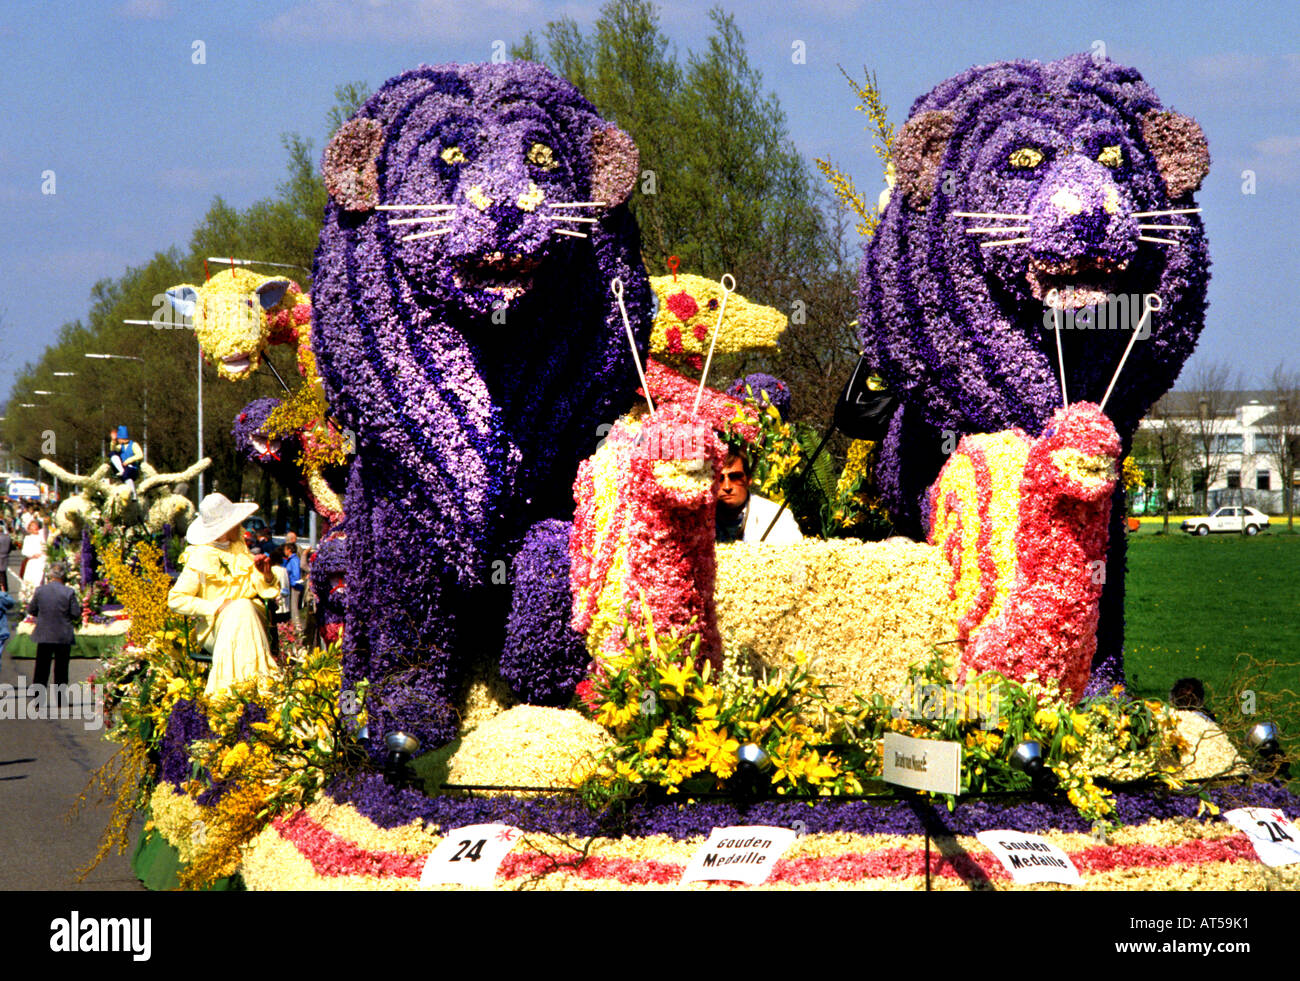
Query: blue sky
(140, 138)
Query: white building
(1236, 440)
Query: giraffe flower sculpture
(1023, 524)
(688, 307)
(644, 532)
(237, 314)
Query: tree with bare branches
(1214, 391)
(1166, 442)
(1282, 429)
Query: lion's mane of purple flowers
(930, 323)
(388, 807)
(468, 431)
(760, 383)
(955, 331)
(544, 657)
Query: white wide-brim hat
(217, 515)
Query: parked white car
(1249, 520)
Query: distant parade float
(529, 599)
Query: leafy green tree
(723, 187)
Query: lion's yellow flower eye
(1112, 156)
(542, 156)
(453, 155)
(1026, 158)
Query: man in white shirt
(743, 516)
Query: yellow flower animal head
(688, 312)
(237, 313)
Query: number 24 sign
(470, 856)
(1276, 840)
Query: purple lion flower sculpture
(466, 333)
(1030, 195)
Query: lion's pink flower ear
(349, 164)
(918, 151)
(615, 163)
(1181, 151)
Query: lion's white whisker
(576, 204)
(565, 231)
(414, 207)
(416, 221)
(1005, 241)
(570, 218)
(1166, 228)
(1171, 211)
(996, 228)
(987, 214)
(1163, 241)
(436, 231)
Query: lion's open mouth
(1079, 282)
(506, 276)
(237, 362)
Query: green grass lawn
(1225, 609)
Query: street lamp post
(128, 357)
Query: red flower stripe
(332, 855)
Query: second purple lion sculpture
(1027, 193)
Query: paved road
(44, 765)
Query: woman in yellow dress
(223, 583)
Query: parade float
(107, 513)
(563, 662)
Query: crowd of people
(26, 527)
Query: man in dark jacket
(58, 612)
(6, 546)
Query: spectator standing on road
(57, 611)
(293, 568)
(6, 546)
(7, 603)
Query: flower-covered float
(108, 513)
(669, 698)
